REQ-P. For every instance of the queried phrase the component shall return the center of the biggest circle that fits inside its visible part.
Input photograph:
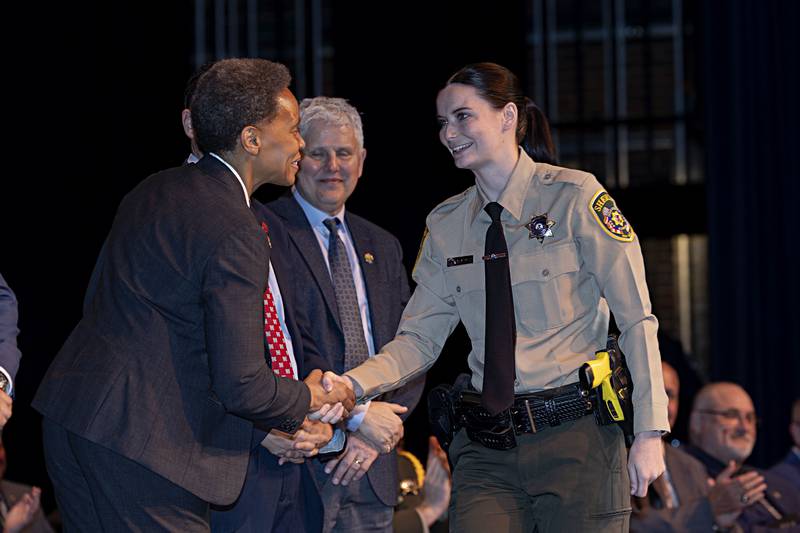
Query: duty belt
(530, 413)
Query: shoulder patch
(421, 245)
(610, 217)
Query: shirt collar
(316, 216)
(238, 177)
(192, 158)
(513, 196)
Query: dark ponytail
(499, 86)
(536, 139)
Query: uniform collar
(513, 196)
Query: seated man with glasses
(722, 433)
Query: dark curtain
(751, 89)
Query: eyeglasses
(733, 415)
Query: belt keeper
(552, 413)
(530, 415)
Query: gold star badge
(369, 258)
(540, 227)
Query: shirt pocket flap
(545, 264)
(464, 278)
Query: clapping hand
(729, 495)
(21, 513)
(332, 396)
(437, 484)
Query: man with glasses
(722, 433)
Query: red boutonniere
(266, 232)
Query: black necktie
(344, 287)
(501, 331)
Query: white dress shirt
(316, 217)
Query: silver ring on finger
(744, 499)
(357, 462)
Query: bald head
(723, 422)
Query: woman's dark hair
(499, 86)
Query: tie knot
(332, 224)
(494, 209)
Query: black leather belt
(530, 413)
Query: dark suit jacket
(788, 469)
(9, 353)
(12, 492)
(167, 366)
(691, 484)
(387, 292)
(266, 483)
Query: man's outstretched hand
(332, 396)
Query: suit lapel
(366, 249)
(301, 233)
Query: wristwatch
(5, 385)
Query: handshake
(332, 396)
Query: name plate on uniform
(463, 260)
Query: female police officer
(530, 259)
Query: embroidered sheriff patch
(610, 217)
(421, 246)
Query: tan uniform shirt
(588, 260)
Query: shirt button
(458, 288)
(545, 272)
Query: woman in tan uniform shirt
(570, 256)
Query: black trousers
(571, 478)
(100, 490)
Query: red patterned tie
(281, 364)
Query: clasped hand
(332, 396)
(304, 444)
(381, 426)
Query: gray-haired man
(352, 287)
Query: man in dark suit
(352, 286)
(150, 405)
(9, 353)
(789, 467)
(279, 493)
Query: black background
(92, 103)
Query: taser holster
(442, 403)
(608, 379)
